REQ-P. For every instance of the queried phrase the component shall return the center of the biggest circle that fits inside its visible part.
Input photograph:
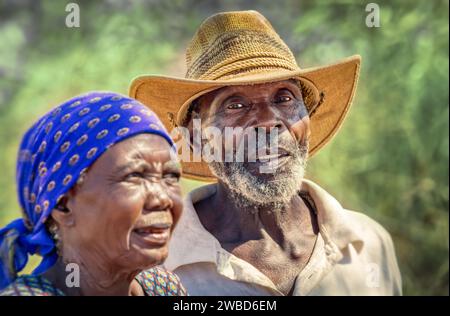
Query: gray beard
(252, 192)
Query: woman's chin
(143, 254)
(157, 259)
(151, 257)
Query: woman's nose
(157, 199)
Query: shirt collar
(192, 243)
(334, 223)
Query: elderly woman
(98, 185)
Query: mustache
(282, 144)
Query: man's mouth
(264, 154)
(271, 157)
(269, 164)
(155, 234)
(273, 160)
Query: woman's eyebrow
(130, 165)
(172, 164)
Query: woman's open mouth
(157, 234)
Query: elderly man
(256, 232)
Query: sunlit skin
(280, 243)
(273, 105)
(119, 219)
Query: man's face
(277, 105)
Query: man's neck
(233, 223)
(277, 241)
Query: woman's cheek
(131, 190)
(175, 195)
(128, 200)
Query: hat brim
(169, 98)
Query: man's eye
(283, 99)
(236, 106)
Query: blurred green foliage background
(390, 159)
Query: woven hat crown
(232, 44)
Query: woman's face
(127, 206)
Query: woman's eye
(172, 177)
(236, 106)
(134, 175)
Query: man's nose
(265, 117)
(157, 198)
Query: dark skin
(278, 243)
(119, 220)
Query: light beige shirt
(353, 255)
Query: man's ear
(62, 214)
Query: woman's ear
(63, 215)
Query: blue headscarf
(53, 154)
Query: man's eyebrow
(284, 89)
(234, 95)
(219, 103)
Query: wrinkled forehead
(145, 147)
(207, 99)
(260, 87)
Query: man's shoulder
(368, 228)
(344, 221)
(378, 248)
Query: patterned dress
(155, 282)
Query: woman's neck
(80, 278)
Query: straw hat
(241, 48)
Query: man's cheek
(307, 127)
(301, 130)
(303, 111)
